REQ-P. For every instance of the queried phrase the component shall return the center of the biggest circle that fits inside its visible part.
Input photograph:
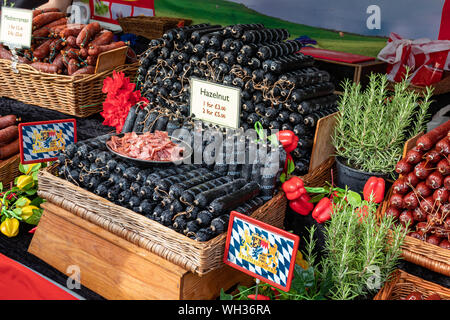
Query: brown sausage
(105, 37)
(41, 11)
(41, 33)
(46, 18)
(85, 70)
(43, 50)
(57, 45)
(55, 31)
(84, 53)
(59, 22)
(88, 33)
(71, 53)
(91, 60)
(9, 149)
(45, 67)
(71, 30)
(8, 120)
(96, 50)
(72, 66)
(8, 134)
(58, 61)
(71, 41)
(5, 53)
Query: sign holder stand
(257, 287)
(15, 58)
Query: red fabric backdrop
(17, 282)
(444, 32)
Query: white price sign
(215, 103)
(16, 27)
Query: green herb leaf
(354, 198)
(290, 166)
(283, 177)
(35, 217)
(37, 201)
(302, 279)
(31, 192)
(317, 198)
(225, 296)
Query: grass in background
(227, 13)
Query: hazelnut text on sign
(215, 103)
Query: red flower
(120, 97)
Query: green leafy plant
(20, 201)
(373, 124)
(361, 251)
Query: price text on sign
(261, 250)
(215, 103)
(43, 141)
(16, 27)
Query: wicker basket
(421, 253)
(403, 283)
(197, 257)
(79, 96)
(9, 170)
(150, 27)
(325, 172)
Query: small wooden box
(117, 269)
(356, 72)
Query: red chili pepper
(293, 188)
(33, 230)
(302, 205)
(10, 196)
(375, 186)
(322, 211)
(259, 297)
(288, 140)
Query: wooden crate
(118, 269)
(356, 72)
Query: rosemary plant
(360, 255)
(373, 124)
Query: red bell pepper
(323, 210)
(375, 186)
(362, 212)
(288, 140)
(294, 188)
(259, 297)
(302, 205)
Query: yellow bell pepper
(27, 202)
(24, 182)
(27, 212)
(10, 227)
(300, 261)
